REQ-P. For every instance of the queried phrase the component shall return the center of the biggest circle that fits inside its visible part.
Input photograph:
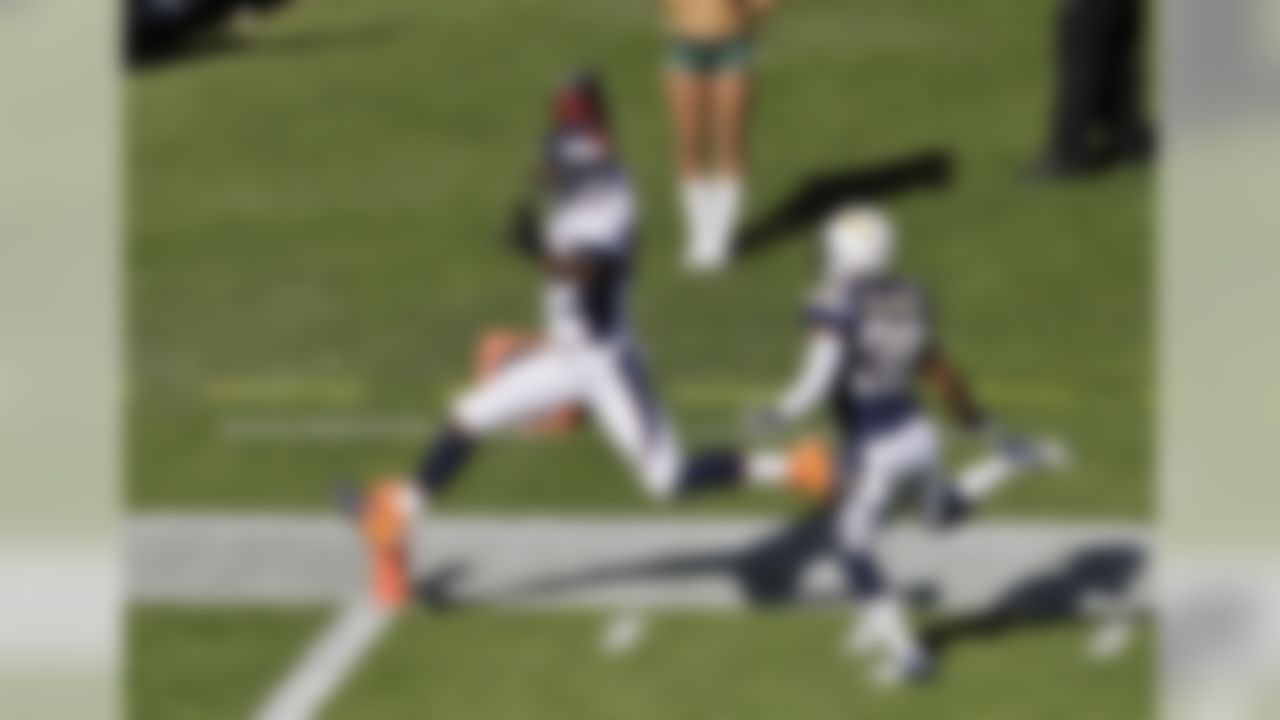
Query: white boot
(727, 194)
(697, 199)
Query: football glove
(1023, 451)
(525, 235)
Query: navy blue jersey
(887, 329)
(597, 224)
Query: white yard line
(625, 565)
(623, 633)
(612, 563)
(322, 671)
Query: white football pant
(879, 467)
(608, 379)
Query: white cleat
(860, 640)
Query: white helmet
(858, 241)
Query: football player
(584, 246)
(872, 338)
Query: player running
(585, 247)
(872, 337)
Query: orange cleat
(383, 517)
(384, 520)
(810, 470)
(389, 575)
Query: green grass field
(313, 241)
(501, 666)
(314, 220)
(191, 664)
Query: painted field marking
(1113, 615)
(327, 663)
(623, 633)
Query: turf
(721, 667)
(507, 666)
(192, 664)
(313, 219)
(724, 667)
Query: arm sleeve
(821, 365)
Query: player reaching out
(584, 246)
(872, 338)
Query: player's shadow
(767, 573)
(821, 193)
(770, 574)
(436, 589)
(1107, 572)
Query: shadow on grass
(821, 193)
(769, 575)
(1105, 571)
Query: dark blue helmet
(579, 103)
(579, 147)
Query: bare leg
(730, 118)
(687, 98)
(730, 111)
(686, 95)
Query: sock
(727, 195)
(712, 470)
(767, 469)
(440, 465)
(980, 480)
(696, 197)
